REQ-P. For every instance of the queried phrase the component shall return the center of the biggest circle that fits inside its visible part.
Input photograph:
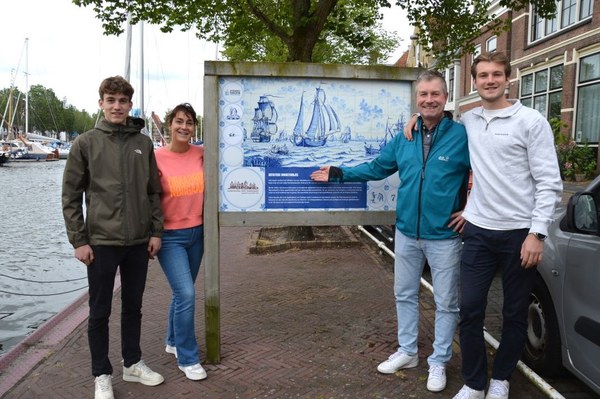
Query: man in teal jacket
(434, 172)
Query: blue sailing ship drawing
(390, 131)
(264, 120)
(346, 135)
(324, 122)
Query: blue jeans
(443, 257)
(132, 262)
(180, 256)
(484, 252)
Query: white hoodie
(516, 178)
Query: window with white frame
(587, 122)
(451, 83)
(568, 13)
(491, 44)
(476, 52)
(542, 90)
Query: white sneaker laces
(498, 389)
(437, 371)
(143, 368)
(104, 384)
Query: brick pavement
(310, 323)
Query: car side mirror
(583, 215)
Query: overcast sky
(68, 53)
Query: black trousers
(132, 262)
(484, 251)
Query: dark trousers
(132, 262)
(483, 252)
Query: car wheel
(543, 350)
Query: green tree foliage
(328, 31)
(345, 31)
(448, 27)
(47, 114)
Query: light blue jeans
(443, 257)
(180, 256)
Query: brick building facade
(566, 51)
(555, 65)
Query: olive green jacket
(114, 169)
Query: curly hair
(114, 85)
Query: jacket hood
(132, 125)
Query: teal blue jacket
(428, 192)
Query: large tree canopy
(346, 31)
(447, 27)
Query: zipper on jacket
(419, 207)
(122, 145)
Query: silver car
(564, 310)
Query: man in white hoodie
(516, 187)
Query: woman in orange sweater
(181, 171)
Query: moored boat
(24, 150)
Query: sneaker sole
(408, 365)
(193, 378)
(435, 389)
(130, 378)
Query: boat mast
(26, 85)
(127, 72)
(141, 91)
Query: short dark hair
(186, 108)
(498, 58)
(114, 85)
(430, 75)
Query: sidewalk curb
(23, 358)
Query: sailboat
(390, 132)
(265, 121)
(346, 135)
(22, 148)
(324, 122)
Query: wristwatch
(539, 236)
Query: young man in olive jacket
(434, 173)
(113, 167)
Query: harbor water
(38, 274)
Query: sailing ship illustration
(390, 132)
(265, 120)
(282, 136)
(346, 135)
(324, 122)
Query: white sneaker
(396, 361)
(436, 381)
(468, 393)
(141, 373)
(194, 372)
(498, 389)
(103, 387)
(172, 350)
